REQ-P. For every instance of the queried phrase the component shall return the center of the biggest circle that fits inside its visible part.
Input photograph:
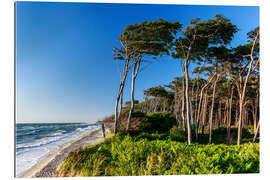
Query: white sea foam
(26, 128)
(29, 154)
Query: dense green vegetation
(161, 151)
(148, 155)
(223, 89)
(207, 123)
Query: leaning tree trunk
(211, 113)
(243, 93)
(199, 106)
(120, 92)
(132, 102)
(121, 104)
(135, 71)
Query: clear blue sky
(64, 65)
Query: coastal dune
(47, 167)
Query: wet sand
(47, 167)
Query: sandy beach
(47, 167)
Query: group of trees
(224, 87)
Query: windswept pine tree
(244, 61)
(151, 38)
(193, 42)
(208, 100)
(158, 99)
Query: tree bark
(183, 105)
(204, 112)
(239, 133)
(191, 113)
(219, 117)
(199, 106)
(120, 92)
(256, 133)
(229, 118)
(121, 104)
(187, 103)
(211, 113)
(243, 93)
(225, 115)
(176, 107)
(135, 71)
(256, 111)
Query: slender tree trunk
(254, 115)
(204, 112)
(196, 106)
(243, 93)
(120, 92)
(239, 133)
(187, 91)
(121, 103)
(225, 115)
(219, 117)
(135, 71)
(191, 113)
(132, 101)
(256, 132)
(200, 102)
(183, 104)
(257, 108)
(256, 111)
(187, 103)
(229, 119)
(236, 115)
(245, 120)
(176, 107)
(211, 113)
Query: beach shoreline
(47, 167)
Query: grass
(140, 153)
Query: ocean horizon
(35, 141)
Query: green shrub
(130, 156)
(178, 134)
(158, 122)
(152, 136)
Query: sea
(34, 142)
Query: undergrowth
(152, 154)
(157, 147)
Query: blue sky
(65, 70)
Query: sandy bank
(47, 167)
